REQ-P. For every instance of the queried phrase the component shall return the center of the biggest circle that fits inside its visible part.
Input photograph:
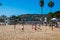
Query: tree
(51, 4)
(57, 14)
(41, 5)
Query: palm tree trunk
(41, 11)
(50, 9)
(42, 15)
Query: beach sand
(44, 33)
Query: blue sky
(18, 7)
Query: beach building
(4, 20)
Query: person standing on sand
(22, 27)
(45, 21)
(35, 26)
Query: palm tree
(41, 5)
(51, 4)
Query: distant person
(45, 21)
(58, 24)
(22, 27)
(41, 21)
(35, 26)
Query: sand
(44, 33)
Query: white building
(7, 21)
